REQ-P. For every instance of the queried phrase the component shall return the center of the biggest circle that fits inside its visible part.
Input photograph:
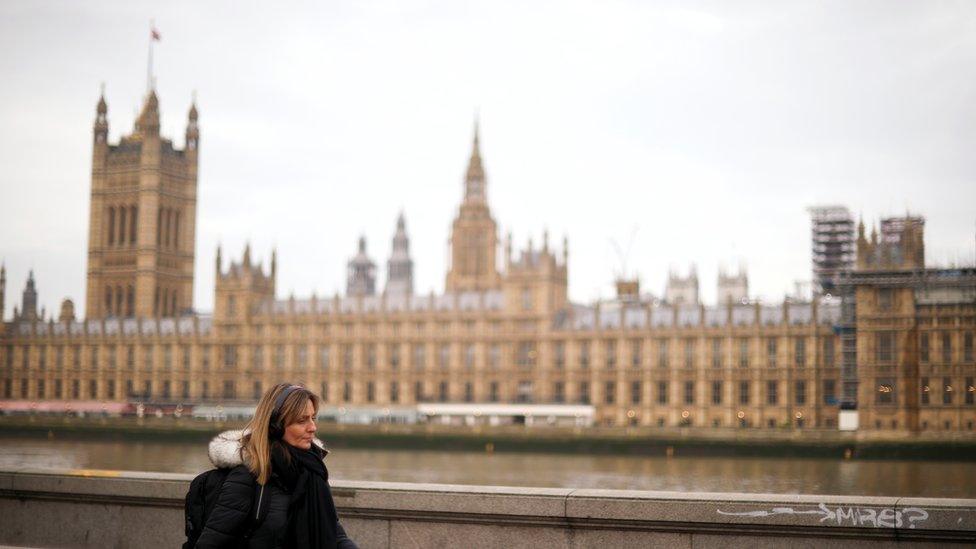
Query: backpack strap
(259, 509)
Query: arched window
(111, 226)
(176, 229)
(108, 300)
(118, 301)
(172, 310)
(130, 302)
(165, 304)
(122, 225)
(159, 233)
(156, 303)
(171, 223)
(165, 230)
(133, 216)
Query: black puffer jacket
(246, 514)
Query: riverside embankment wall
(77, 508)
(823, 443)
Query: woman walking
(277, 493)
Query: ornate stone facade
(361, 272)
(732, 287)
(501, 336)
(682, 290)
(914, 350)
(474, 235)
(141, 231)
(28, 303)
(399, 268)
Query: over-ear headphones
(275, 428)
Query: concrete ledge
(82, 508)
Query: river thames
(951, 479)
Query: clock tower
(474, 236)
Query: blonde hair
(256, 444)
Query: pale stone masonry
(898, 341)
(125, 509)
(474, 236)
(399, 268)
(141, 233)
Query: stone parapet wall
(80, 508)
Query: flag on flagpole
(154, 36)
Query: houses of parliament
(893, 340)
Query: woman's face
(300, 433)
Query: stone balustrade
(84, 508)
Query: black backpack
(200, 501)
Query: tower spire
(29, 299)
(192, 130)
(101, 118)
(361, 272)
(477, 124)
(474, 240)
(148, 122)
(399, 267)
(474, 181)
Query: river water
(699, 474)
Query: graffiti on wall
(908, 517)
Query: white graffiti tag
(848, 516)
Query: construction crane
(623, 255)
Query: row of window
(946, 425)
(77, 390)
(526, 354)
(927, 388)
(112, 355)
(343, 325)
(743, 394)
(121, 303)
(885, 394)
(524, 392)
(168, 228)
(372, 329)
(945, 345)
(886, 391)
(118, 303)
(717, 354)
(123, 223)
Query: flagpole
(149, 71)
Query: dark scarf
(312, 516)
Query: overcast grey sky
(703, 129)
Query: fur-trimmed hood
(225, 449)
